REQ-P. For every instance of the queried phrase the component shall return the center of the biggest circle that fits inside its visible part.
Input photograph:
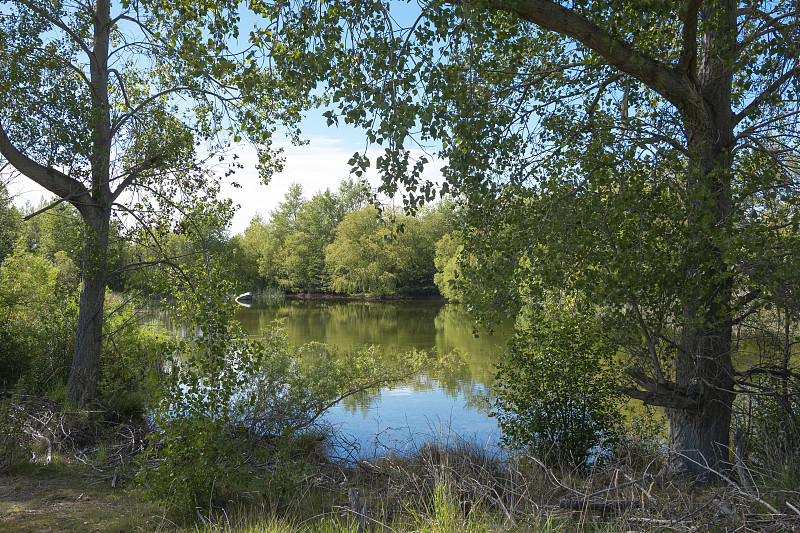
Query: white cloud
(319, 165)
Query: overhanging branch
(665, 80)
(666, 394)
(51, 179)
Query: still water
(452, 404)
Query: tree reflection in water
(456, 394)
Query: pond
(453, 404)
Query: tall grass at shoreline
(456, 487)
(441, 484)
(268, 294)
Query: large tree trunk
(82, 381)
(700, 434)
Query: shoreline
(364, 298)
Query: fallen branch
(647, 477)
(604, 507)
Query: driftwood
(358, 508)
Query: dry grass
(439, 485)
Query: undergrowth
(440, 485)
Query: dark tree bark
(82, 382)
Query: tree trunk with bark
(82, 382)
(700, 433)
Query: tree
(636, 153)
(360, 259)
(555, 391)
(415, 248)
(10, 222)
(446, 263)
(291, 247)
(103, 106)
(384, 253)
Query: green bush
(39, 306)
(235, 415)
(133, 362)
(202, 454)
(555, 392)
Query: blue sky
(319, 165)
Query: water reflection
(451, 398)
(391, 325)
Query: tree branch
(662, 394)
(121, 82)
(56, 182)
(44, 209)
(666, 81)
(770, 25)
(601, 87)
(774, 86)
(687, 64)
(134, 173)
(126, 116)
(36, 6)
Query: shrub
(39, 302)
(206, 452)
(556, 394)
(233, 411)
(133, 362)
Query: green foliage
(595, 153)
(290, 248)
(59, 229)
(232, 406)
(38, 302)
(383, 256)
(446, 262)
(244, 258)
(202, 463)
(767, 413)
(10, 223)
(133, 361)
(556, 391)
(118, 131)
(334, 242)
(360, 260)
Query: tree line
(335, 242)
(339, 242)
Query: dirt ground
(72, 498)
